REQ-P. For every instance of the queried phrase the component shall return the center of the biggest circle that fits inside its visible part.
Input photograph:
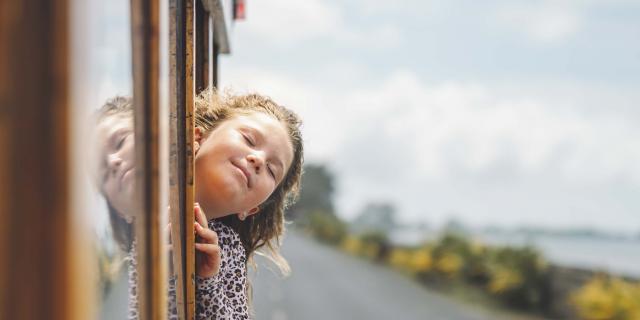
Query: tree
(316, 194)
(375, 216)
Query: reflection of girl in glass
(116, 170)
(116, 181)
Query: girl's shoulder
(227, 237)
(222, 229)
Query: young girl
(248, 165)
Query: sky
(505, 113)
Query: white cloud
(475, 124)
(286, 22)
(403, 7)
(544, 22)
(289, 21)
(379, 37)
(404, 140)
(487, 152)
(535, 150)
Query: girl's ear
(253, 211)
(197, 139)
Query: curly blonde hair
(264, 229)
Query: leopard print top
(223, 296)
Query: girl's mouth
(245, 174)
(125, 175)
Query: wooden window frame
(181, 184)
(150, 242)
(220, 43)
(34, 135)
(38, 224)
(191, 62)
(202, 50)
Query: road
(328, 284)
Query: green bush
(375, 245)
(325, 227)
(519, 277)
(456, 257)
(476, 269)
(449, 254)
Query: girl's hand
(208, 255)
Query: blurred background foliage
(517, 278)
(606, 297)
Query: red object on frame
(238, 10)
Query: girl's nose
(256, 161)
(114, 161)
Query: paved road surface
(327, 284)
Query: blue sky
(499, 112)
(495, 112)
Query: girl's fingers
(211, 250)
(207, 235)
(200, 217)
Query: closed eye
(273, 175)
(121, 142)
(248, 140)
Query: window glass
(103, 141)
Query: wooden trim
(9, 27)
(190, 261)
(5, 199)
(220, 36)
(152, 275)
(176, 150)
(201, 47)
(182, 153)
(214, 65)
(34, 54)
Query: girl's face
(240, 163)
(117, 171)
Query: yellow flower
(399, 258)
(603, 298)
(421, 261)
(352, 245)
(450, 264)
(504, 279)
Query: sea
(617, 256)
